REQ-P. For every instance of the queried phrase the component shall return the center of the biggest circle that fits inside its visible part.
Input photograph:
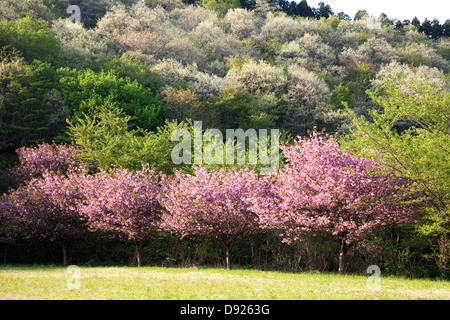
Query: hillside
(115, 79)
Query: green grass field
(35, 282)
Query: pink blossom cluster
(213, 204)
(122, 202)
(33, 161)
(324, 190)
(47, 207)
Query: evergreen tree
(398, 24)
(384, 19)
(343, 16)
(30, 109)
(305, 10)
(248, 4)
(436, 29)
(415, 22)
(446, 28)
(323, 11)
(360, 14)
(426, 27)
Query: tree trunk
(64, 251)
(228, 245)
(228, 256)
(254, 262)
(138, 245)
(343, 248)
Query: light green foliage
(341, 98)
(419, 151)
(422, 151)
(33, 38)
(128, 66)
(108, 141)
(86, 90)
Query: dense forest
(117, 85)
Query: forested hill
(102, 85)
(228, 63)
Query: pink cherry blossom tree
(7, 230)
(47, 208)
(214, 204)
(34, 160)
(324, 191)
(124, 203)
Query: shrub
(258, 77)
(142, 41)
(280, 27)
(83, 39)
(422, 54)
(341, 98)
(241, 23)
(191, 17)
(422, 73)
(305, 92)
(168, 5)
(375, 52)
(212, 40)
(309, 48)
(181, 104)
(233, 108)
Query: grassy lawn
(35, 282)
